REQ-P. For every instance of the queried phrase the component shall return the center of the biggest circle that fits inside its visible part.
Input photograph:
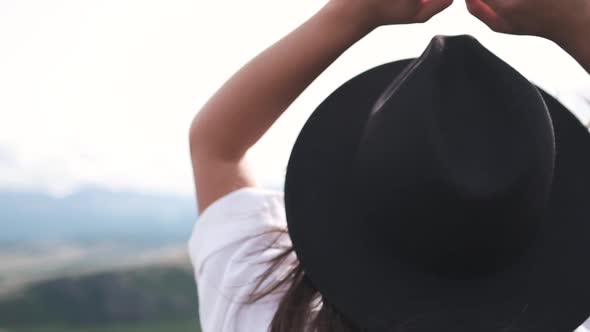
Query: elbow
(208, 141)
(204, 142)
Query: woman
(248, 275)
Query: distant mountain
(94, 215)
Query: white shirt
(226, 257)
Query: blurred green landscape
(96, 261)
(155, 298)
(145, 327)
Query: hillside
(45, 237)
(188, 326)
(108, 301)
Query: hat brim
(548, 290)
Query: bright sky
(102, 92)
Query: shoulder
(231, 247)
(233, 219)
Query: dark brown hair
(301, 307)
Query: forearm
(581, 51)
(253, 98)
(576, 41)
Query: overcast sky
(102, 92)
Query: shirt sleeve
(230, 248)
(576, 97)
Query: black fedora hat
(444, 193)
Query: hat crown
(456, 161)
(449, 175)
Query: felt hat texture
(444, 193)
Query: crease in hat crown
(457, 152)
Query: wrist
(353, 14)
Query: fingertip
(430, 8)
(475, 9)
(437, 3)
(484, 13)
(448, 3)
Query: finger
(487, 15)
(493, 4)
(429, 8)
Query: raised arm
(579, 46)
(247, 105)
(565, 22)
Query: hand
(557, 20)
(375, 13)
